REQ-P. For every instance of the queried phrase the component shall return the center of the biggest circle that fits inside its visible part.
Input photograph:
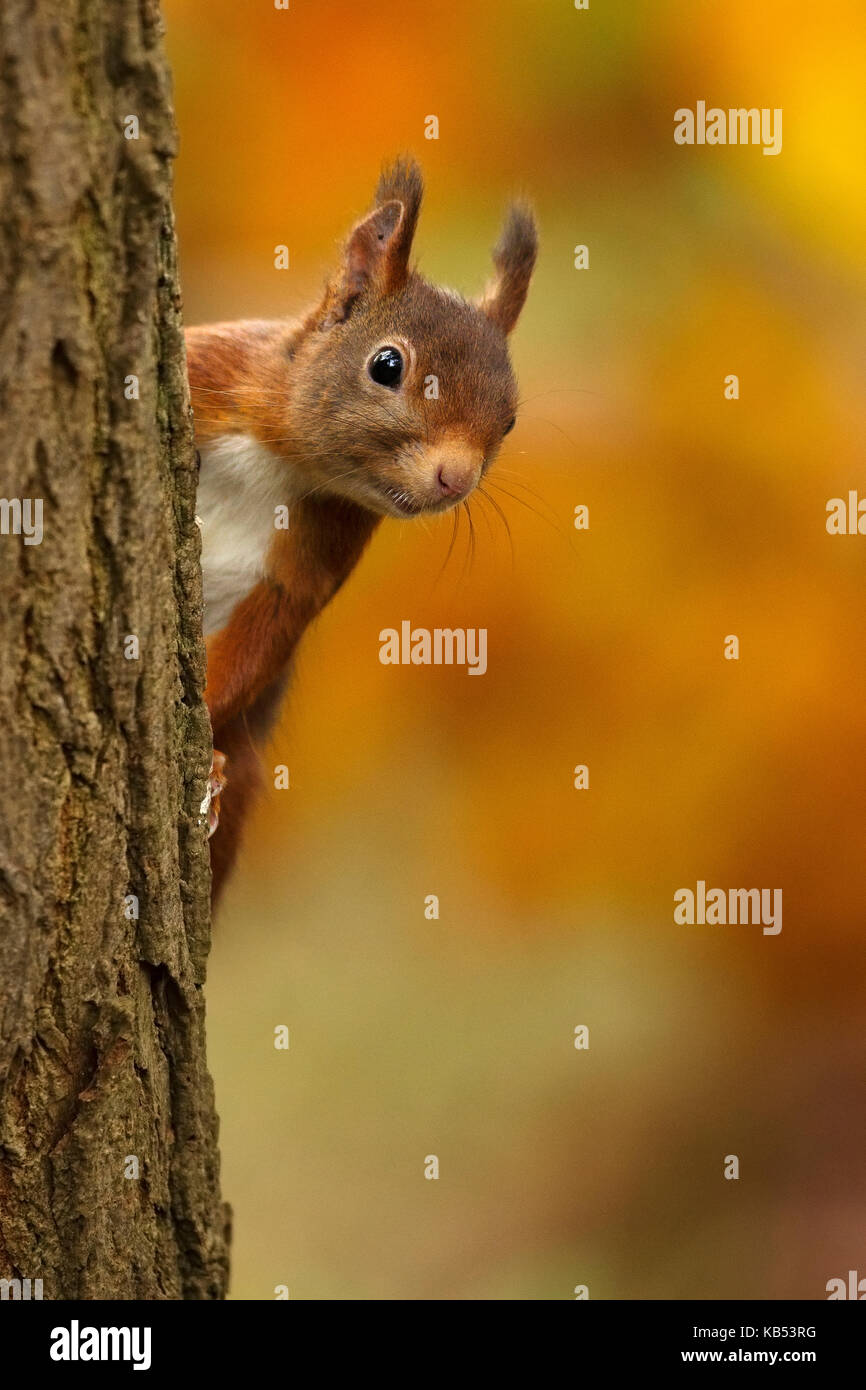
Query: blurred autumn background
(455, 1037)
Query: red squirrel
(389, 398)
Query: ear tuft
(402, 179)
(514, 258)
(376, 255)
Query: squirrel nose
(455, 479)
(454, 464)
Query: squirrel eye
(510, 426)
(386, 367)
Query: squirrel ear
(365, 262)
(514, 259)
(377, 251)
(401, 180)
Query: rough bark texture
(104, 755)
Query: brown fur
(360, 450)
(249, 658)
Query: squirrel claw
(215, 783)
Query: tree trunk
(109, 1174)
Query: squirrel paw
(215, 783)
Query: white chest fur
(241, 484)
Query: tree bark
(104, 748)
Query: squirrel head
(406, 389)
